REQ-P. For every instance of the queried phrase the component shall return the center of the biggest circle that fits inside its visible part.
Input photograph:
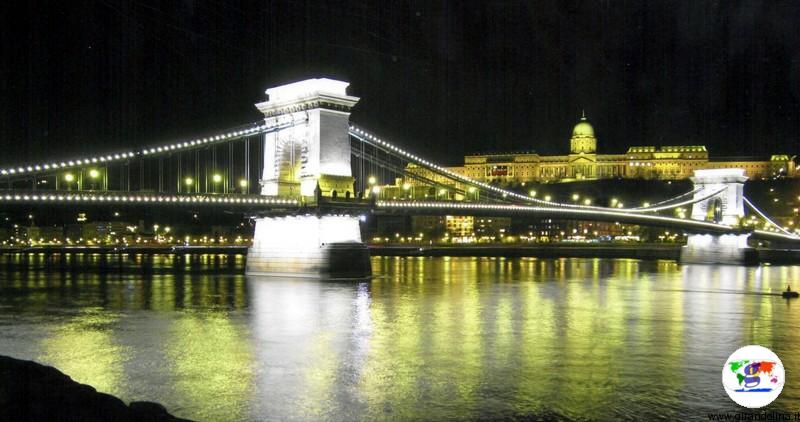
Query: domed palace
(582, 162)
(666, 162)
(583, 140)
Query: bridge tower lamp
(94, 174)
(217, 179)
(407, 190)
(472, 190)
(69, 178)
(189, 182)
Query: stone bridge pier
(727, 207)
(307, 159)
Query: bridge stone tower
(310, 153)
(316, 149)
(727, 208)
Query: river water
(427, 338)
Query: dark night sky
(442, 78)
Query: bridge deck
(263, 205)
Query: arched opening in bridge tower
(714, 211)
(292, 157)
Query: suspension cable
(239, 132)
(533, 209)
(398, 170)
(764, 216)
(679, 204)
(670, 199)
(383, 164)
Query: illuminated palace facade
(584, 163)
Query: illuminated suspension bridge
(304, 170)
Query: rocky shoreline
(33, 392)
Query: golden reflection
(537, 346)
(431, 338)
(760, 325)
(85, 349)
(468, 340)
(594, 331)
(163, 291)
(211, 362)
(491, 322)
(320, 375)
(394, 358)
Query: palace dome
(583, 128)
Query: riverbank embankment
(30, 391)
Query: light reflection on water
(430, 338)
